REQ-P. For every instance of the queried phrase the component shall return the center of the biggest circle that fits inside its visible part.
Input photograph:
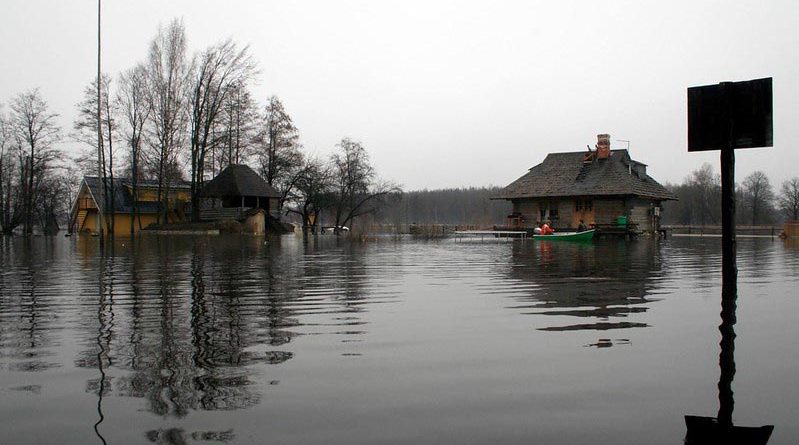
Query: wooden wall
(530, 210)
(641, 215)
(607, 210)
(565, 212)
(791, 229)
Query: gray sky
(447, 94)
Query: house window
(583, 205)
(548, 210)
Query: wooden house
(236, 190)
(84, 213)
(605, 188)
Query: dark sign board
(736, 114)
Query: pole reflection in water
(720, 430)
(104, 329)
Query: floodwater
(175, 340)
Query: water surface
(254, 340)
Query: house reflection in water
(599, 286)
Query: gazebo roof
(239, 180)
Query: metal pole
(729, 288)
(729, 276)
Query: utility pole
(101, 189)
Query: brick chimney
(602, 146)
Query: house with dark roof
(239, 188)
(604, 188)
(127, 218)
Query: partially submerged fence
(740, 229)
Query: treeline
(175, 117)
(756, 200)
(471, 206)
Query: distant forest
(468, 206)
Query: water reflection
(720, 429)
(185, 324)
(596, 286)
(26, 324)
(177, 436)
(184, 340)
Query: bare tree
(35, 133)
(167, 82)
(706, 198)
(86, 131)
(218, 73)
(789, 198)
(278, 151)
(52, 201)
(314, 187)
(356, 188)
(10, 215)
(236, 131)
(758, 196)
(699, 198)
(134, 110)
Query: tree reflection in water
(176, 436)
(185, 337)
(183, 324)
(26, 323)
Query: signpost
(726, 117)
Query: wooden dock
(492, 233)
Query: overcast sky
(448, 94)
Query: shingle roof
(239, 180)
(123, 200)
(565, 174)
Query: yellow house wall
(151, 195)
(121, 223)
(85, 199)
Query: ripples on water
(174, 340)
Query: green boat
(587, 235)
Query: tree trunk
(29, 198)
(2, 197)
(111, 174)
(134, 185)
